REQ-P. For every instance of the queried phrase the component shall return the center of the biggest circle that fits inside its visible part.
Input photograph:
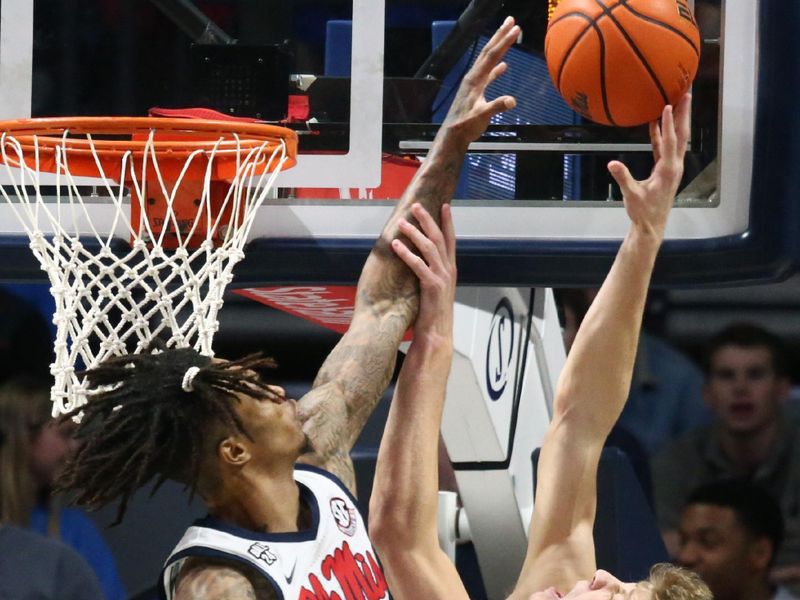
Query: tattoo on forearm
(356, 373)
(347, 388)
(391, 300)
(436, 187)
(359, 375)
(363, 362)
(388, 278)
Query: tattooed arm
(215, 579)
(358, 370)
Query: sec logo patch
(344, 516)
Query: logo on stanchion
(500, 349)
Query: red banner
(328, 305)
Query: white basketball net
(110, 303)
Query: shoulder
(313, 476)
(74, 519)
(29, 556)
(213, 578)
(15, 541)
(336, 465)
(308, 471)
(15, 537)
(685, 461)
(79, 531)
(72, 567)
(660, 348)
(670, 363)
(691, 445)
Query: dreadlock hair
(140, 422)
(668, 582)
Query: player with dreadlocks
(165, 441)
(276, 529)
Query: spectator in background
(746, 387)
(666, 397)
(35, 448)
(33, 567)
(730, 532)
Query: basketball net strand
(111, 303)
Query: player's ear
(761, 553)
(233, 452)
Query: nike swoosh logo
(290, 576)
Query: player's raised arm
(404, 493)
(360, 367)
(594, 384)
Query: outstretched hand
(648, 202)
(470, 112)
(435, 266)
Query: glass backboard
(362, 84)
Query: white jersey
(332, 560)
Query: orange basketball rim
(167, 163)
(174, 141)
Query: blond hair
(24, 409)
(668, 582)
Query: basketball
(619, 62)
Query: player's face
(743, 388)
(604, 586)
(715, 546)
(272, 424)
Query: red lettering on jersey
(344, 567)
(378, 580)
(360, 577)
(318, 592)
